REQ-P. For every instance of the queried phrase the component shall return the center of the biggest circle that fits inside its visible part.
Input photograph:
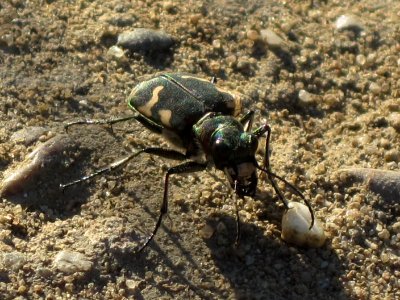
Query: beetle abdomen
(178, 101)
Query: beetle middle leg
(247, 120)
(163, 152)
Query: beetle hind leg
(186, 167)
(99, 121)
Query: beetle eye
(249, 142)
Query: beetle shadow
(160, 260)
(157, 59)
(286, 59)
(271, 267)
(138, 264)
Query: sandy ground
(330, 95)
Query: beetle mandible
(202, 119)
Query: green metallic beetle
(200, 118)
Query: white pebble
(296, 223)
(306, 98)
(116, 52)
(348, 22)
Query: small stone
(169, 7)
(116, 53)
(244, 66)
(394, 121)
(296, 223)
(361, 59)
(206, 232)
(272, 39)
(384, 234)
(71, 262)
(13, 260)
(194, 19)
(375, 88)
(217, 43)
(385, 257)
(22, 289)
(145, 40)
(396, 227)
(306, 98)
(215, 67)
(392, 155)
(348, 22)
(134, 285)
(28, 135)
(253, 35)
(44, 272)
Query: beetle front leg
(187, 167)
(265, 129)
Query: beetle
(203, 120)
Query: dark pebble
(145, 40)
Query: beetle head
(233, 152)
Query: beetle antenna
(295, 189)
(238, 228)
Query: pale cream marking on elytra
(133, 92)
(237, 101)
(146, 108)
(196, 78)
(165, 116)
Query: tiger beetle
(201, 118)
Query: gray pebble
(383, 182)
(41, 160)
(13, 260)
(71, 262)
(28, 135)
(145, 40)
